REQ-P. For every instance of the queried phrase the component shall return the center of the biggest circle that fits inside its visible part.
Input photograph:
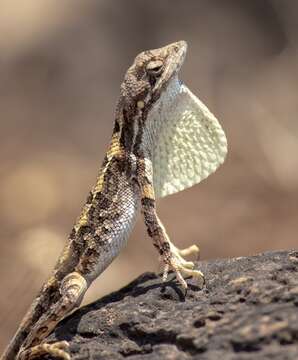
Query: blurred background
(61, 65)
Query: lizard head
(145, 81)
(150, 73)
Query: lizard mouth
(180, 47)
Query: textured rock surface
(248, 310)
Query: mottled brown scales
(127, 133)
(124, 183)
(115, 151)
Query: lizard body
(149, 94)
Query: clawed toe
(175, 261)
(198, 275)
(62, 345)
(191, 250)
(58, 349)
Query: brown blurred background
(61, 64)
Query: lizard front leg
(72, 290)
(171, 256)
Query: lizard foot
(58, 350)
(174, 260)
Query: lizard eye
(154, 68)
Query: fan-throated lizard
(164, 140)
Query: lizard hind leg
(72, 289)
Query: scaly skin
(124, 184)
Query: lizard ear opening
(191, 145)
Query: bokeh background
(61, 64)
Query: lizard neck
(130, 121)
(140, 128)
(137, 135)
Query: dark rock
(247, 310)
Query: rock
(247, 310)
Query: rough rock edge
(248, 309)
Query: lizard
(164, 140)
